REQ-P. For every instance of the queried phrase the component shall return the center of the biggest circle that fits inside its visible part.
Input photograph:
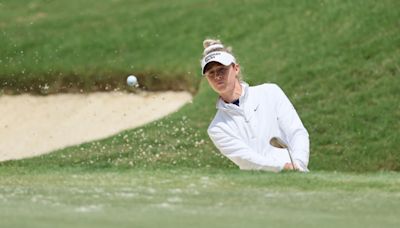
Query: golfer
(249, 116)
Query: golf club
(279, 143)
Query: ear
(236, 67)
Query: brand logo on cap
(211, 56)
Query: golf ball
(131, 80)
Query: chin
(221, 89)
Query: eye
(210, 73)
(221, 71)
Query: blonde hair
(209, 42)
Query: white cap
(222, 57)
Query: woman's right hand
(289, 166)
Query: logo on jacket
(256, 108)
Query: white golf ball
(131, 80)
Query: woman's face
(222, 78)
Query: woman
(249, 117)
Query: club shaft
(291, 159)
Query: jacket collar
(222, 105)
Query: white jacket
(242, 133)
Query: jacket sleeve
(239, 152)
(293, 129)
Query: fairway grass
(198, 198)
(336, 60)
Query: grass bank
(338, 62)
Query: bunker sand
(35, 125)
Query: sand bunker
(34, 125)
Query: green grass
(91, 45)
(338, 61)
(198, 198)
